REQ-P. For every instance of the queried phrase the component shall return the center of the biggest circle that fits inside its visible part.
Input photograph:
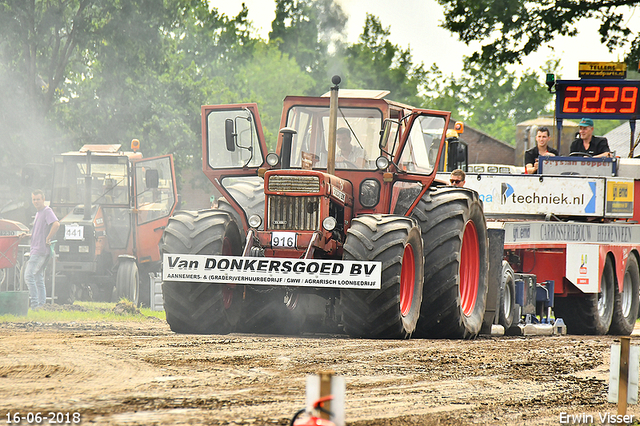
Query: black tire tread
(621, 325)
(376, 313)
(442, 214)
(580, 312)
(198, 308)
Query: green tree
(493, 100)
(266, 79)
(149, 72)
(376, 63)
(311, 31)
(38, 41)
(523, 25)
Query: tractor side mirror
(229, 135)
(389, 131)
(151, 178)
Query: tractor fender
(126, 257)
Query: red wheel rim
(469, 268)
(227, 291)
(407, 280)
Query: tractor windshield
(109, 182)
(357, 136)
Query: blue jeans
(34, 277)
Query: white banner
(570, 232)
(529, 195)
(272, 271)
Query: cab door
(233, 149)
(155, 199)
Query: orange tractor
(113, 206)
(342, 227)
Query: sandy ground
(118, 373)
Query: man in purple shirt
(45, 227)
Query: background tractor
(306, 204)
(112, 206)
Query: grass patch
(88, 311)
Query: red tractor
(286, 248)
(113, 206)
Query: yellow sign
(602, 70)
(619, 197)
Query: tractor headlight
(382, 163)
(255, 221)
(369, 192)
(272, 159)
(329, 223)
(83, 249)
(63, 248)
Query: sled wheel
(507, 305)
(201, 308)
(625, 308)
(393, 310)
(589, 313)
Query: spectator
(595, 146)
(457, 178)
(541, 149)
(45, 226)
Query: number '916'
(283, 241)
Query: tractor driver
(594, 146)
(349, 156)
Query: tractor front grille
(293, 213)
(287, 183)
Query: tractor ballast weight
(326, 236)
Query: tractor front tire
(391, 312)
(201, 308)
(454, 233)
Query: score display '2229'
(600, 99)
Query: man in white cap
(595, 146)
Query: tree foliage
(309, 31)
(376, 63)
(512, 29)
(107, 71)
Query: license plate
(73, 232)
(284, 239)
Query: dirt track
(142, 374)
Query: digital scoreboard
(598, 99)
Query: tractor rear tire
(589, 313)
(625, 308)
(201, 308)
(507, 312)
(127, 282)
(454, 233)
(393, 311)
